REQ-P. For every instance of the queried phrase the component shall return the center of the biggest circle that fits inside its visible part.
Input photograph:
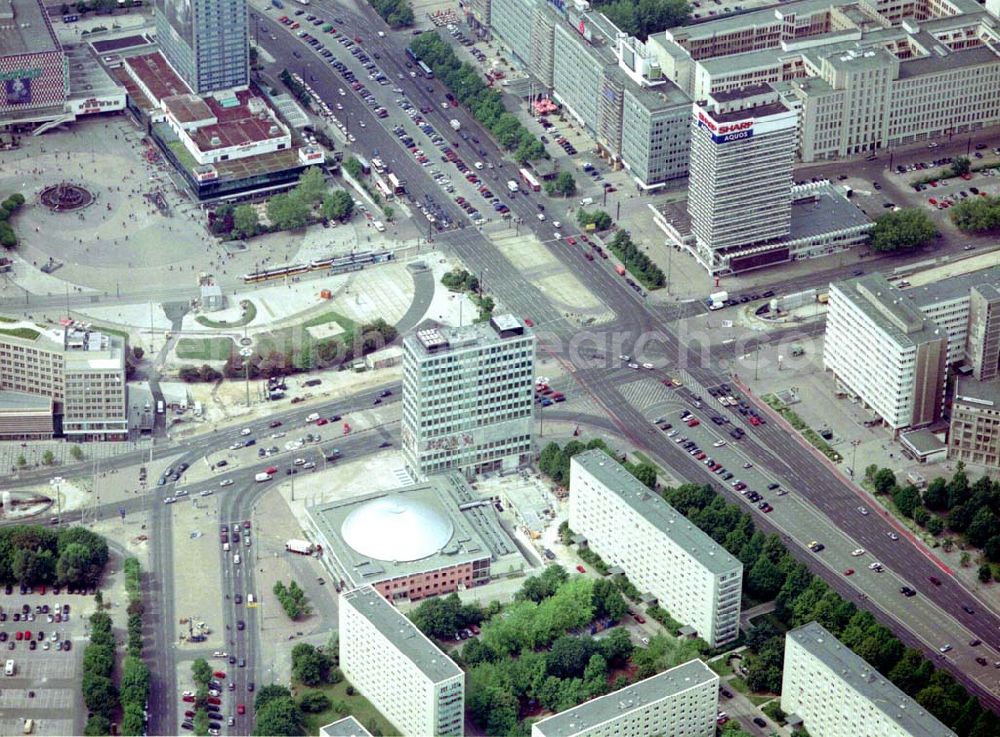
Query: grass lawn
(7, 319)
(331, 316)
(643, 458)
(721, 666)
(204, 349)
(26, 333)
(357, 706)
(297, 341)
(249, 313)
(182, 154)
(756, 699)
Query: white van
(313, 417)
(379, 226)
(250, 599)
(236, 559)
(9, 668)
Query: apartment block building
(974, 434)
(346, 727)
(863, 76)
(661, 552)
(397, 668)
(207, 42)
(740, 174)
(82, 372)
(838, 694)
(607, 81)
(885, 351)
(680, 702)
(468, 397)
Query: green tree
(904, 230)
(76, 452)
(765, 579)
(48, 458)
(31, 566)
(22, 461)
(245, 221)
(645, 473)
(309, 665)
(269, 693)
(286, 211)
(935, 525)
(569, 656)
(99, 693)
(134, 681)
(884, 481)
(133, 720)
(338, 205)
(977, 215)
(279, 718)
(97, 726)
(201, 672)
(960, 165)
(985, 573)
(311, 187)
(563, 185)
(314, 702)
(906, 499)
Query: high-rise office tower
(207, 42)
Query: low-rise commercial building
(468, 397)
(838, 694)
(882, 349)
(346, 727)
(81, 370)
(661, 552)
(974, 435)
(680, 702)
(402, 673)
(862, 76)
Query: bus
(530, 180)
(412, 56)
(383, 189)
(365, 166)
(426, 70)
(397, 186)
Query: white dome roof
(396, 528)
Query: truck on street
(717, 300)
(302, 547)
(263, 476)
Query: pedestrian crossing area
(645, 393)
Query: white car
(299, 461)
(207, 492)
(226, 482)
(858, 552)
(634, 366)
(624, 357)
(875, 566)
(277, 435)
(169, 500)
(181, 492)
(541, 216)
(245, 431)
(648, 366)
(718, 443)
(478, 164)
(341, 92)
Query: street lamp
(55, 483)
(854, 454)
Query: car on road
(892, 535)
(639, 618)
(968, 609)
(816, 546)
(581, 569)
(935, 580)
(975, 642)
(241, 709)
(858, 552)
(275, 423)
(226, 482)
(944, 648)
(981, 660)
(759, 722)
(241, 625)
(863, 510)
(907, 591)
(849, 572)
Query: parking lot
(44, 686)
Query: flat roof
(29, 32)
(954, 287)
(890, 308)
(778, 107)
(21, 401)
(157, 74)
(346, 727)
(651, 506)
(922, 442)
(431, 337)
(826, 212)
(907, 714)
(87, 78)
(476, 533)
(245, 119)
(402, 633)
(984, 394)
(618, 704)
(187, 108)
(947, 62)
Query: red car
(849, 572)
(219, 674)
(189, 714)
(19, 635)
(213, 700)
(639, 618)
(529, 323)
(322, 421)
(188, 699)
(241, 709)
(693, 422)
(571, 240)
(581, 569)
(276, 423)
(27, 634)
(271, 470)
(935, 580)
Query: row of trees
(8, 238)
(903, 230)
(201, 674)
(302, 352)
(971, 510)
(310, 199)
(563, 185)
(194, 374)
(485, 103)
(638, 263)
(134, 685)
(397, 13)
(296, 88)
(977, 215)
(598, 218)
(32, 554)
(314, 666)
(100, 695)
(645, 17)
(460, 280)
(293, 599)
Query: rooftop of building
(922, 442)
(890, 309)
(346, 727)
(157, 75)
(235, 119)
(87, 77)
(985, 394)
(14, 402)
(402, 633)
(649, 505)
(755, 18)
(25, 29)
(762, 110)
(617, 704)
(414, 529)
(947, 62)
(659, 97)
(954, 287)
(431, 337)
(911, 718)
(816, 212)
